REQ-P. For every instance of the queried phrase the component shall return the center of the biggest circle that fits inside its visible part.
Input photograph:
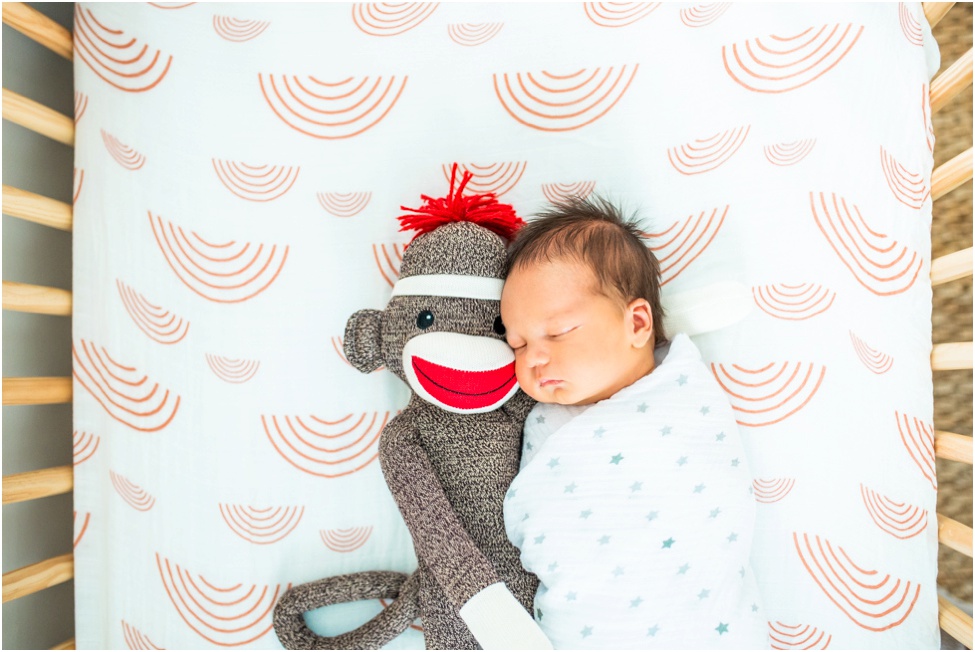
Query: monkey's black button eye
(499, 325)
(424, 319)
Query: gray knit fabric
(448, 472)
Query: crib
(21, 297)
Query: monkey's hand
(499, 622)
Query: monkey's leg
(294, 634)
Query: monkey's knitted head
(441, 331)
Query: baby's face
(573, 345)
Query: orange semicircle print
(559, 192)
(79, 181)
(388, 259)
(562, 102)
(908, 187)
(238, 30)
(327, 449)
(261, 526)
(124, 155)
(684, 241)
(331, 109)
(232, 370)
(879, 263)
(918, 439)
(85, 445)
(785, 154)
(900, 520)
(910, 25)
(80, 527)
(873, 601)
(136, 640)
(706, 154)
(472, 34)
(875, 361)
(797, 637)
(703, 15)
(776, 64)
(498, 178)
(618, 14)
(344, 204)
(127, 395)
(159, 324)
(769, 394)
(227, 616)
(118, 59)
(80, 106)
(346, 539)
(228, 272)
(772, 490)
(132, 493)
(793, 302)
(258, 183)
(390, 18)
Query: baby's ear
(363, 341)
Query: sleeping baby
(632, 504)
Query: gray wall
(35, 437)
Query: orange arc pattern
(132, 493)
(706, 154)
(770, 394)
(918, 440)
(910, 25)
(347, 539)
(797, 637)
(85, 445)
(124, 155)
(498, 178)
(229, 272)
(558, 192)
(873, 602)
(875, 361)
(472, 34)
(338, 345)
(702, 15)
(344, 204)
(618, 14)
(778, 64)
(773, 490)
(232, 370)
(172, 5)
(390, 18)
(784, 154)
(261, 526)
(159, 324)
(327, 449)
(563, 102)
(331, 110)
(926, 117)
(877, 262)
(136, 640)
(900, 520)
(684, 241)
(80, 106)
(122, 391)
(388, 259)
(224, 616)
(793, 302)
(258, 183)
(79, 181)
(238, 30)
(79, 531)
(908, 187)
(117, 59)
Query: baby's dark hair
(594, 232)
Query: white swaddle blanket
(636, 514)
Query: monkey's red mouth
(464, 390)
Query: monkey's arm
(494, 616)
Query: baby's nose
(535, 355)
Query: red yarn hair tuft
(484, 210)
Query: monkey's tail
(294, 634)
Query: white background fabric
(174, 132)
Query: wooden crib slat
(935, 11)
(37, 577)
(952, 446)
(38, 27)
(67, 645)
(37, 208)
(38, 299)
(956, 78)
(951, 174)
(951, 267)
(955, 535)
(955, 622)
(42, 483)
(37, 391)
(37, 117)
(951, 355)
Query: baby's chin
(560, 395)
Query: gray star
(636, 486)
(540, 419)
(722, 628)
(554, 462)
(616, 459)
(705, 410)
(683, 569)
(553, 566)
(512, 493)
(754, 607)
(540, 538)
(651, 516)
(668, 542)
(570, 596)
(720, 436)
(599, 432)
(665, 431)
(703, 594)
(642, 407)
(732, 537)
(586, 631)
(586, 513)
(734, 462)
(682, 380)
(715, 512)
(617, 571)
(682, 461)
(539, 615)
(636, 602)
(603, 540)
(528, 446)
(569, 488)
(699, 488)
(652, 631)
(525, 517)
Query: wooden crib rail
(38, 299)
(935, 11)
(37, 208)
(956, 78)
(951, 174)
(37, 577)
(951, 267)
(951, 356)
(955, 535)
(38, 27)
(952, 446)
(42, 483)
(955, 622)
(38, 118)
(37, 391)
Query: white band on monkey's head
(449, 285)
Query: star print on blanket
(636, 514)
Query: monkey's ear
(363, 341)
